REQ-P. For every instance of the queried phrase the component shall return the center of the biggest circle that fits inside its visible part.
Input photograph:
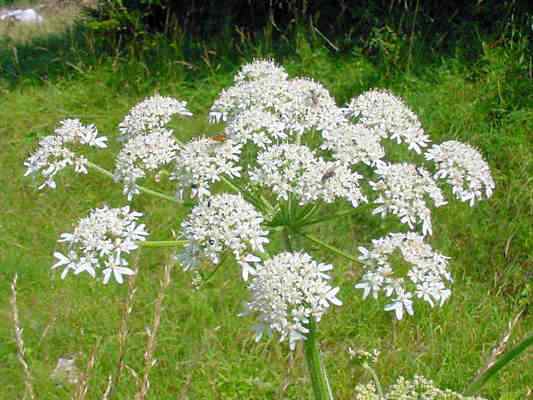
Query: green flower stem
(163, 243)
(318, 375)
(143, 189)
(287, 239)
(330, 217)
(329, 247)
(375, 378)
(319, 378)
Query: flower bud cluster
(53, 154)
(223, 222)
(426, 275)
(464, 169)
(101, 241)
(402, 189)
(142, 154)
(151, 114)
(200, 163)
(294, 169)
(286, 292)
(388, 116)
(417, 388)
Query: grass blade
(498, 365)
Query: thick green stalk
(143, 189)
(319, 379)
(317, 372)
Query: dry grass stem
(501, 347)
(21, 352)
(83, 384)
(123, 331)
(149, 360)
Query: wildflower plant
(286, 150)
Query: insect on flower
(221, 138)
(330, 173)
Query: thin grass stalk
(151, 343)
(497, 360)
(113, 381)
(500, 347)
(21, 352)
(83, 383)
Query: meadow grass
(204, 351)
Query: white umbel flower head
(152, 113)
(402, 189)
(53, 154)
(143, 154)
(464, 169)
(223, 222)
(309, 106)
(388, 116)
(352, 144)
(202, 161)
(293, 168)
(261, 69)
(100, 242)
(262, 128)
(286, 292)
(426, 277)
(261, 94)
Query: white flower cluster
(266, 94)
(151, 114)
(259, 69)
(293, 168)
(299, 104)
(262, 128)
(101, 241)
(464, 169)
(402, 189)
(142, 154)
(200, 163)
(53, 155)
(416, 389)
(352, 144)
(426, 277)
(287, 291)
(388, 116)
(224, 221)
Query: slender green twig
(375, 378)
(329, 247)
(143, 189)
(330, 217)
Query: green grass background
(204, 350)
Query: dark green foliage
(347, 23)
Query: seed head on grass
(19, 340)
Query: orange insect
(219, 138)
